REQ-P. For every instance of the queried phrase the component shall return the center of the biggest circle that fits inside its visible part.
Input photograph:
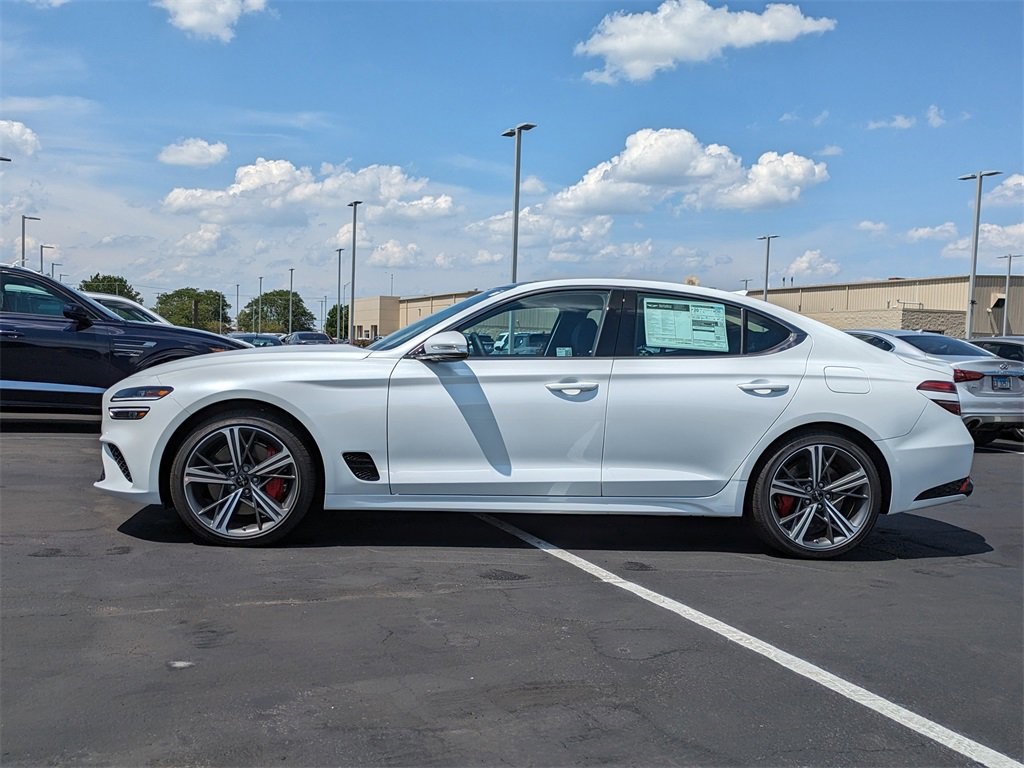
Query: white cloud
(635, 46)
(487, 257)
(899, 122)
(789, 117)
(395, 254)
(945, 231)
(276, 192)
(935, 118)
(1009, 193)
(17, 138)
(209, 18)
(531, 185)
(812, 265)
(658, 164)
(426, 207)
(62, 105)
(829, 151)
(774, 180)
(993, 241)
(874, 227)
(207, 240)
(820, 118)
(193, 152)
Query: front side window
(555, 324)
(23, 294)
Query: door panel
(524, 427)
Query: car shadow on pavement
(901, 537)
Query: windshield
(944, 346)
(402, 335)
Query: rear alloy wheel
(817, 497)
(242, 480)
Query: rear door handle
(11, 334)
(763, 387)
(572, 387)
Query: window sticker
(680, 324)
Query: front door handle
(763, 387)
(11, 334)
(572, 387)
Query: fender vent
(362, 466)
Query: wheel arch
(223, 408)
(851, 434)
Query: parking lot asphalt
(441, 639)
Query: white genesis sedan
(626, 397)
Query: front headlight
(141, 393)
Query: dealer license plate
(1000, 382)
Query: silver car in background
(991, 388)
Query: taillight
(962, 375)
(942, 388)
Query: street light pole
(746, 282)
(517, 133)
(767, 256)
(974, 247)
(337, 315)
(25, 218)
(259, 304)
(1006, 300)
(291, 277)
(238, 326)
(54, 264)
(41, 247)
(354, 205)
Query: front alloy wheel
(242, 480)
(817, 497)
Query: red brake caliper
(275, 487)
(785, 505)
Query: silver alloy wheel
(240, 481)
(821, 497)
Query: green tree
(114, 284)
(275, 314)
(331, 324)
(195, 308)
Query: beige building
(928, 303)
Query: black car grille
(118, 457)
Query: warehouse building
(926, 303)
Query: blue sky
(205, 144)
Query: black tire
(984, 436)
(243, 479)
(816, 497)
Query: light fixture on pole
(54, 264)
(969, 333)
(1006, 300)
(337, 314)
(259, 311)
(25, 218)
(767, 256)
(41, 247)
(291, 276)
(517, 133)
(354, 205)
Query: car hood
(277, 356)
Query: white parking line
(947, 738)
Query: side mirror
(78, 314)
(442, 347)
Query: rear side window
(684, 327)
